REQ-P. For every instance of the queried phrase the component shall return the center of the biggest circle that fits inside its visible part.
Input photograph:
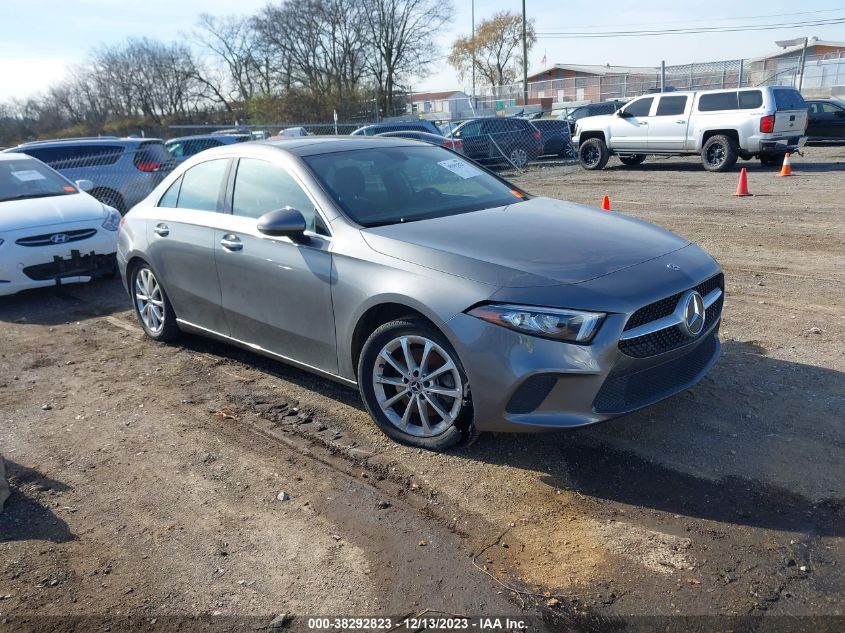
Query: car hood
(533, 243)
(598, 121)
(34, 212)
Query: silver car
(454, 301)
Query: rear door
(181, 243)
(630, 130)
(276, 293)
(667, 129)
(790, 111)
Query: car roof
(7, 155)
(312, 145)
(94, 140)
(206, 136)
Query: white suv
(720, 125)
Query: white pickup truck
(720, 125)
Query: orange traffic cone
(742, 187)
(786, 170)
(605, 203)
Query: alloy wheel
(149, 300)
(716, 154)
(418, 386)
(519, 157)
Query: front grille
(76, 266)
(670, 338)
(626, 390)
(531, 393)
(48, 238)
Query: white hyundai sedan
(51, 231)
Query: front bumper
(25, 267)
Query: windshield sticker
(28, 174)
(460, 168)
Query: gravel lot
(145, 477)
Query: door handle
(232, 243)
(680, 121)
(162, 230)
(643, 122)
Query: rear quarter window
(76, 156)
(750, 99)
(788, 99)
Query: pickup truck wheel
(632, 159)
(719, 153)
(593, 154)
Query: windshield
(402, 184)
(27, 178)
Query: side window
(671, 106)
(829, 108)
(261, 187)
(750, 99)
(201, 186)
(815, 108)
(177, 150)
(718, 101)
(640, 107)
(471, 129)
(171, 196)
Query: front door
(275, 292)
(630, 129)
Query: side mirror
(84, 185)
(621, 113)
(287, 222)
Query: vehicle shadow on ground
(802, 166)
(24, 516)
(56, 305)
(715, 436)
(323, 386)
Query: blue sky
(39, 38)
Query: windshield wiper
(26, 196)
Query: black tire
(771, 160)
(593, 154)
(111, 198)
(632, 159)
(459, 430)
(719, 153)
(169, 329)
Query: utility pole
(524, 60)
(803, 60)
(473, 55)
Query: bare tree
(401, 35)
(496, 49)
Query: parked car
(123, 170)
(720, 125)
(418, 125)
(184, 147)
(827, 120)
(51, 231)
(591, 109)
(499, 140)
(555, 136)
(453, 300)
(451, 143)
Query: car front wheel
(152, 306)
(414, 386)
(593, 154)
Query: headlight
(555, 323)
(112, 222)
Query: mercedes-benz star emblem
(693, 313)
(58, 238)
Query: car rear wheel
(719, 153)
(414, 386)
(593, 154)
(152, 306)
(632, 159)
(518, 157)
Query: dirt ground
(145, 477)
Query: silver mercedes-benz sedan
(455, 301)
